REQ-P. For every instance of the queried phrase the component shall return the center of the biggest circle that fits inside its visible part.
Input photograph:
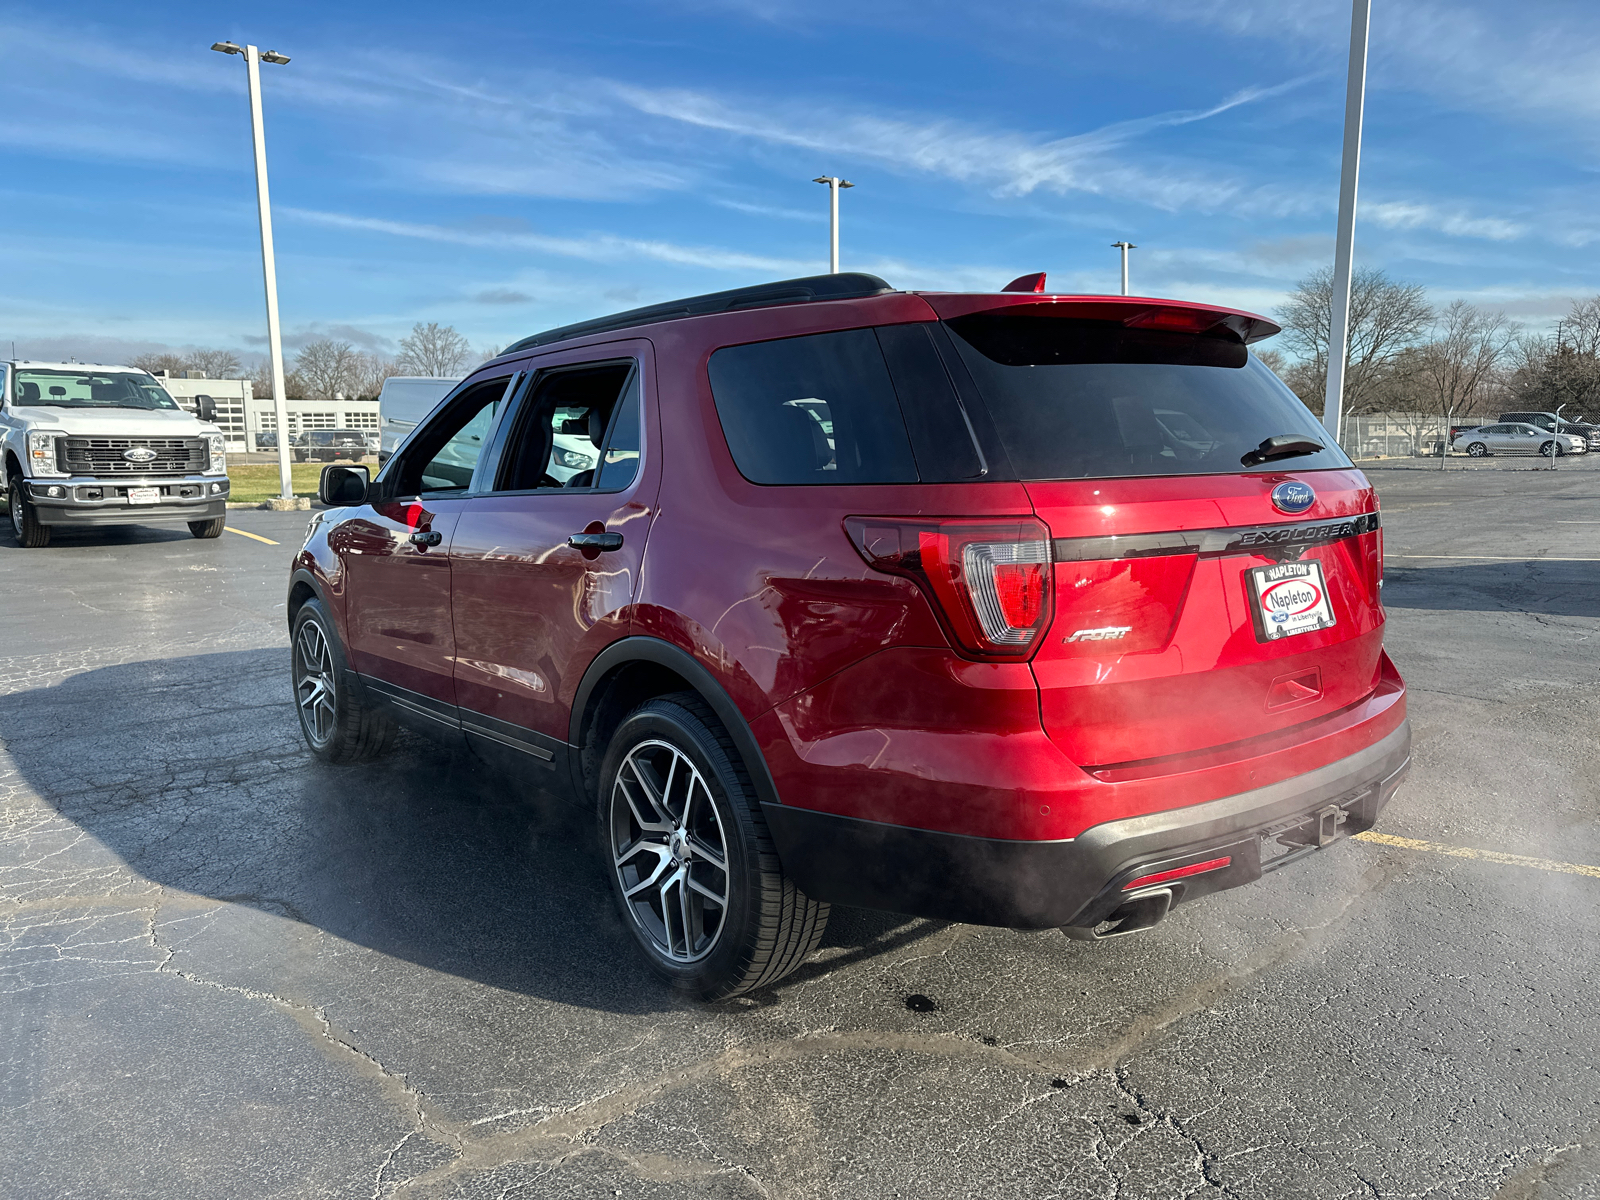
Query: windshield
(92, 389)
(1083, 399)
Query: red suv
(1015, 609)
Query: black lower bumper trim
(143, 514)
(1077, 882)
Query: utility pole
(834, 185)
(1125, 247)
(269, 266)
(1344, 247)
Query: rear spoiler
(1138, 312)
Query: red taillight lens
(990, 580)
(1200, 868)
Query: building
(242, 415)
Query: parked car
(88, 444)
(330, 445)
(266, 439)
(1572, 423)
(1518, 439)
(1016, 609)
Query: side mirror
(343, 487)
(205, 408)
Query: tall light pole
(834, 185)
(269, 266)
(1344, 246)
(1125, 247)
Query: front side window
(813, 409)
(1082, 399)
(92, 389)
(445, 452)
(579, 428)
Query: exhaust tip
(1134, 915)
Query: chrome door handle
(595, 541)
(426, 537)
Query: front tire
(1477, 450)
(1548, 449)
(25, 525)
(693, 867)
(338, 722)
(208, 529)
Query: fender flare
(653, 650)
(301, 575)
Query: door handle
(595, 541)
(426, 537)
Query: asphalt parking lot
(229, 971)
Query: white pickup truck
(83, 444)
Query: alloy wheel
(669, 850)
(313, 682)
(16, 510)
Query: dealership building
(242, 415)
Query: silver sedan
(1516, 439)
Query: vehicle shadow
(193, 772)
(1560, 589)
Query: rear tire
(339, 723)
(208, 529)
(1477, 450)
(25, 526)
(679, 821)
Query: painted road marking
(1489, 557)
(257, 536)
(1494, 856)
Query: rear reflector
(1213, 864)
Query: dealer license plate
(1290, 598)
(150, 495)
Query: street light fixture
(834, 185)
(252, 60)
(1125, 247)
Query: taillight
(990, 580)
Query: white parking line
(1491, 557)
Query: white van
(404, 401)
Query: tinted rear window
(1075, 399)
(812, 410)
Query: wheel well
(618, 694)
(298, 595)
(13, 467)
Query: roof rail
(846, 285)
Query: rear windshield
(1078, 399)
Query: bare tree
(1385, 318)
(216, 364)
(328, 368)
(156, 363)
(370, 372)
(1463, 357)
(433, 349)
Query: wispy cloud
(1413, 215)
(596, 248)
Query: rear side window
(812, 410)
(1078, 399)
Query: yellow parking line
(1494, 856)
(257, 536)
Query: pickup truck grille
(107, 456)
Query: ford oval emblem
(143, 454)
(1292, 496)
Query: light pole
(1555, 438)
(1344, 245)
(269, 266)
(1125, 247)
(834, 185)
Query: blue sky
(508, 167)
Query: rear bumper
(1077, 881)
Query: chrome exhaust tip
(1137, 913)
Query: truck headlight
(42, 453)
(573, 460)
(219, 457)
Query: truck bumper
(1079, 882)
(84, 501)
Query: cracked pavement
(227, 970)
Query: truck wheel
(339, 723)
(695, 873)
(208, 529)
(25, 526)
